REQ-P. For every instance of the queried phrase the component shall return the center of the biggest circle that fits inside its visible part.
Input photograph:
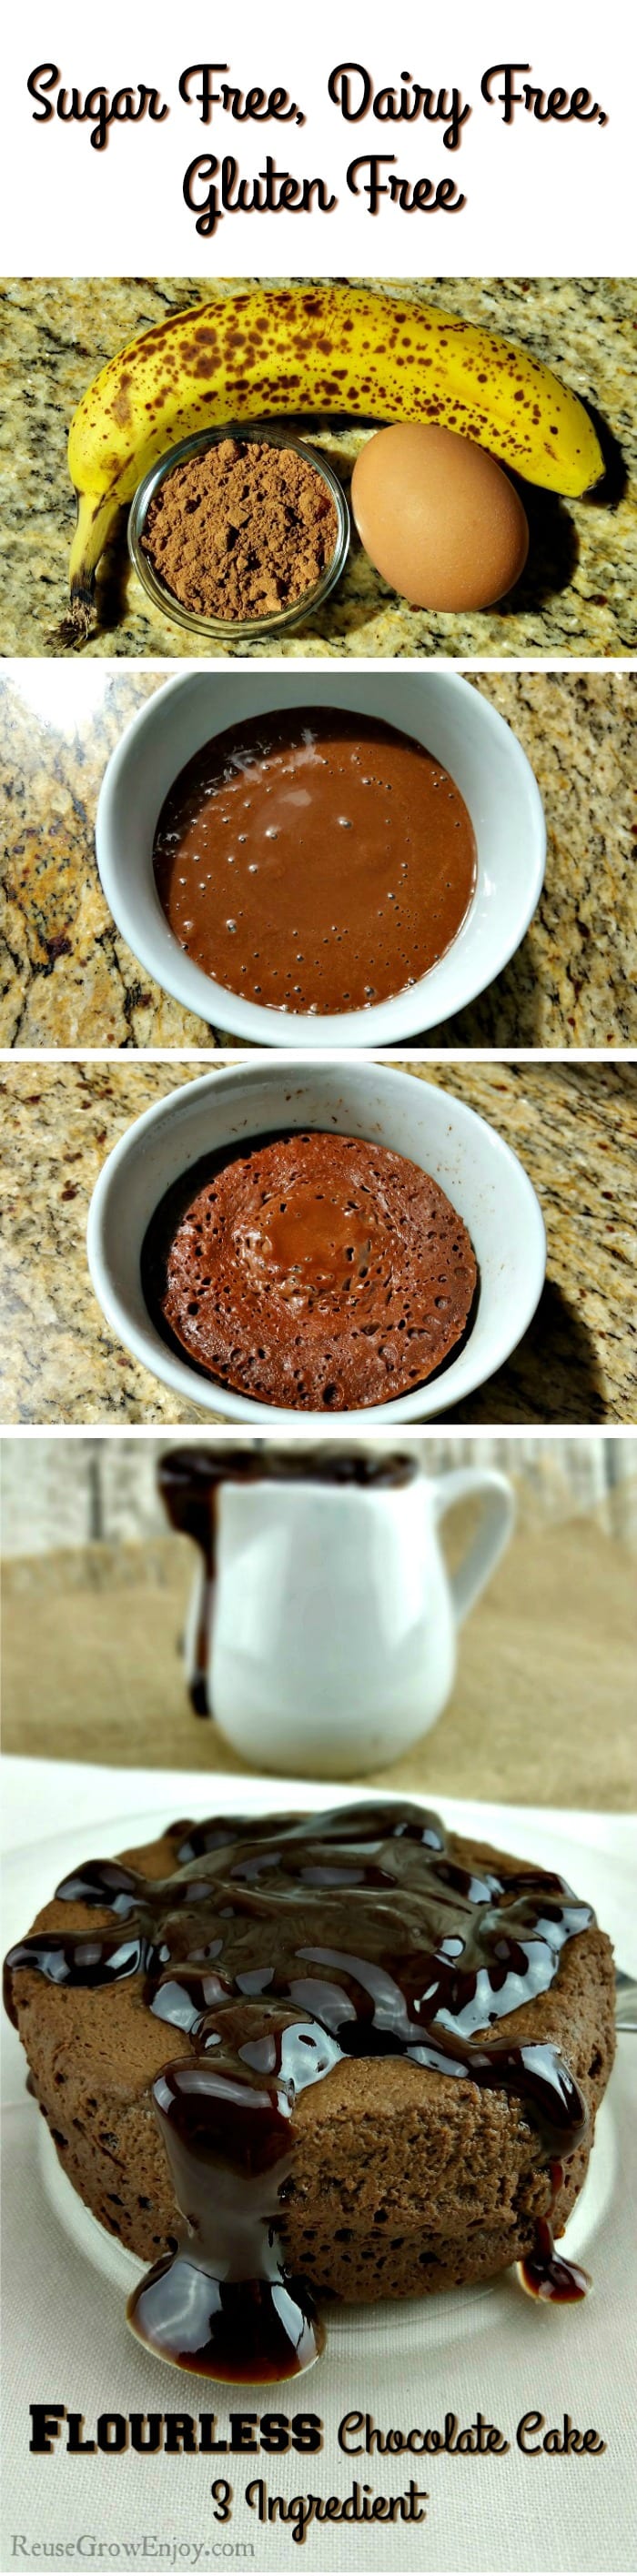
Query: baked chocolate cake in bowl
(316, 1238)
(345, 2055)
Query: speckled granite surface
(578, 595)
(575, 1129)
(68, 979)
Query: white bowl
(441, 710)
(355, 1097)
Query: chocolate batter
(319, 1272)
(314, 860)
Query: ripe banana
(299, 349)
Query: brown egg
(438, 517)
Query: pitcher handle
(493, 1532)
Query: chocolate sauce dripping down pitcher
(323, 1623)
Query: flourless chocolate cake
(345, 2054)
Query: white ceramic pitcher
(333, 1620)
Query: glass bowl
(225, 629)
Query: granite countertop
(574, 1128)
(578, 594)
(527, 1718)
(68, 979)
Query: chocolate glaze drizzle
(544, 2273)
(280, 1947)
(189, 1481)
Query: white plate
(425, 2324)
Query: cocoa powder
(241, 530)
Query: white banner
(458, 142)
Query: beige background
(543, 1710)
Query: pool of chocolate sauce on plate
(545, 2273)
(315, 860)
(189, 1480)
(280, 1946)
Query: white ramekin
(440, 709)
(352, 1096)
